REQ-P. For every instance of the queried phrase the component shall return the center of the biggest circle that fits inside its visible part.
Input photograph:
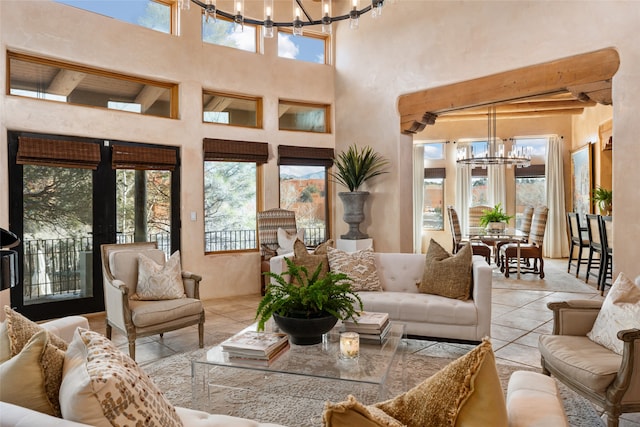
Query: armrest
(627, 381)
(481, 294)
(191, 283)
(116, 302)
(277, 264)
(575, 317)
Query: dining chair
(477, 247)
(577, 239)
(595, 247)
(525, 229)
(606, 239)
(532, 249)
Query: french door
(68, 196)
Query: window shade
(54, 152)
(238, 151)
(432, 173)
(143, 158)
(478, 172)
(530, 172)
(306, 156)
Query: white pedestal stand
(354, 245)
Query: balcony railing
(63, 268)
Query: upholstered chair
(478, 248)
(269, 222)
(609, 380)
(138, 318)
(531, 250)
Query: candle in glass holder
(349, 345)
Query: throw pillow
(286, 239)
(466, 392)
(620, 310)
(159, 282)
(310, 261)
(20, 330)
(22, 377)
(445, 274)
(5, 345)
(104, 387)
(360, 266)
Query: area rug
(299, 401)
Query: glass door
(64, 209)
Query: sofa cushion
(5, 345)
(466, 392)
(445, 274)
(20, 330)
(159, 281)
(527, 393)
(123, 264)
(194, 418)
(148, 313)
(104, 387)
(360, 266)
(22, 379)
(400, 272)
(578, 357)
(620, 310)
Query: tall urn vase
(353, 202)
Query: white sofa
(17, 416)
(425, 315)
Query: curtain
(418, 196)
(497, 185)
(555, 238)
(463, 195)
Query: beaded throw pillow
(445, 274)
(360, 266)
(104, 387)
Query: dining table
(493, 236)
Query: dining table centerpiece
(495, 220)
(307, 305)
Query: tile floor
(519, 316)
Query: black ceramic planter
(305, 331)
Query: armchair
(604, 377)
(136, 318)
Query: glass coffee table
(304, 375)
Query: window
(303, 117)
(433, 207)
(222, 32)
(235, 110)
(530, 181)
(154, 14)
(74, 84)
(304, 188)
(231, 183)
(479, 187)
(310, 47)
(434, 151)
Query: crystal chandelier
(297, 23)
(495, 154)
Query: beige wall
(423, 44)
(64, 33)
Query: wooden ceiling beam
(454, 117)
(523, 107)
(547, 78)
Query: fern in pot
(307, 305)
(495, 219)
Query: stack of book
(255, 347)
(370, 325)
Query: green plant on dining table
(308, 296)
(494, 215)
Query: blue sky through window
(303, 48)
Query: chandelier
(237, 16)
(494, 154)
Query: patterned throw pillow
(447, 275)
(465, 392)
(620, 310)
(310, 261)
(360, 266)
(286, 240)
(20, 330)
(158, 282)
(104, 387)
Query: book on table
(375, 336)
(255, 345)
(368, 323)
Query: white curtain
(463, 195)
(555, 237)
(497, 185)
(418, 196)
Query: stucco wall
(423, 44)
(53, 30)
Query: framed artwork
(581, 180)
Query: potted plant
(355, 167)
(604, 199)
(308, 305)
(495, 219)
